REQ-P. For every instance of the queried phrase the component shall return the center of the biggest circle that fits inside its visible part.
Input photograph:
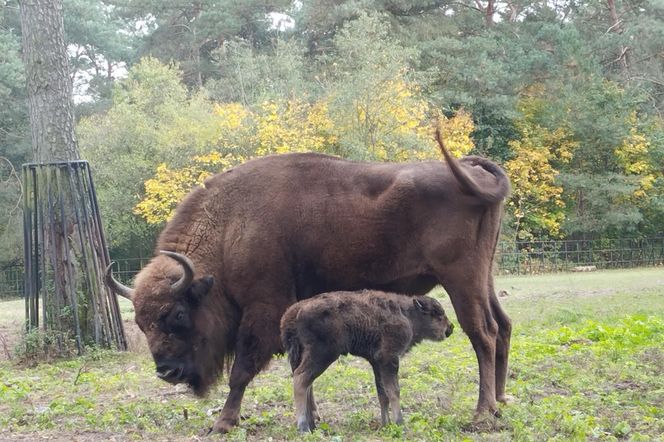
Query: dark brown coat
(258, 238)
(380, 327)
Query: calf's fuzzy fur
(379, 327)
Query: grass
(587, 363)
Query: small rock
(584, 269)
(214, 410)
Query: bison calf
(378, 326)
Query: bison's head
(168, 303)
(431, 322)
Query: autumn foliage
(537, 202)
(172, 141)
(278, 127)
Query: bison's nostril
(449, 330)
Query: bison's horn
(116, 286)
(188, 269)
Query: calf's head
(167, 300)
(430, 320)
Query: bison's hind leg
(311, 404)
(313, 364)
(471, 300)
(502, 344)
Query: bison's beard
(198, 386)
(208, 372)
(211, 356)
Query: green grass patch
(587, 363)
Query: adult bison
(257, 238)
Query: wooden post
(66, 255)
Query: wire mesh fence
(11, 282)
(534, 257)
(512, 258)
(124, 270)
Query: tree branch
(13, 174)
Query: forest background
(567, 95)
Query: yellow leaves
(633, 157)
(293, 126)
(536, 199)
(231, 116)
(238, 133)
(168, 187)
(392, 124)
(456, 132)
(399, 109)
(388, 120)
(235, 127)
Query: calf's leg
(389, 375)
(313, 365)
(382, 396)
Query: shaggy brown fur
(380, 327)
(283, 228)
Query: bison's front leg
(257, 340)
(240, 377)
(389, 374)
(383, 400)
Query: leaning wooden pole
(65, 257)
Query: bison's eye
(179, 319)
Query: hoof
(305, 424)
(506, 399)
(305, 427)
(484, 420)
(223, 426)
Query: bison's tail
(292, 345)
(490, 195)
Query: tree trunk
(49, 92)
(488, 11)
(488, 15)
(617, 28)
(48, 83)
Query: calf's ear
(200, 288)
(421, 306)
